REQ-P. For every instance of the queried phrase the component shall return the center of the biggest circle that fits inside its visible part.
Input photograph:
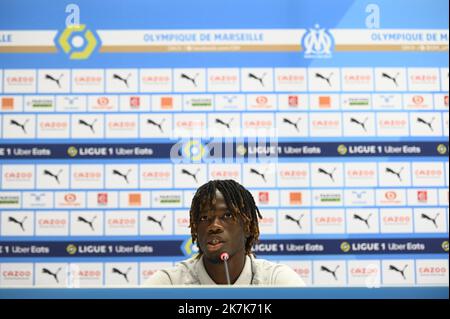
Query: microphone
(224, 257)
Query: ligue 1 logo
(342, 149)
(445, 246)
(71, 249)
(241, 150)
(72, 151)
(442, 149)
(345, 247)
(194, 151)
(189, 248)
(77, 42)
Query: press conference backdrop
(333, 113)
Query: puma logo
(256, 172)
(364, 220)
(297, 221)
(124, 80)
(429, 124)
(22, 126)
(56, 80)
(402, 272)
(53, 274)
(91, 126)
(392, 78)
(15, 221)
(362, 124)
(323, 171)
(124, 176)
(193, 175)
(227, 125)
(55, 176)
(391, 171)
(294, 124)
(433, 220)
(154, 220)
(123, 274)
(159, 125)
(257, 78)
(325, 78)
(191, 79)
(89, 222)
(332, 272)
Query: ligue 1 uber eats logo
(77, 41)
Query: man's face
(220, 231)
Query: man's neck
(216, 271)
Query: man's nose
(215, 225)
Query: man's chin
(212, 257)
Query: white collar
(245, 278)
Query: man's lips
(215, 241)
(214, 244)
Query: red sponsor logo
(390, 195)
(223, 78)
(328, 220)
(428, 173)
(88, 80)
(189, 125)
(304, 272)
(266, 221)
(18, 176)
(20, 80)
(326, 123)
(397, 220)
(361, 173)
(155, 79)
(422, 196)
(183, 221)
(258, 124)
(102, 101)
(122, 222)
(225, 174)
(432, 270)
(263, 197)
(423, 78)
(53, 125)
(89, 273)
(52, 222)
(291, 78)
(148, 272)
(363, 271)
(70, 198)
(122, 125)
(87, 175)
(418, 99)
(294, 174)
(293, 100)
(150, 175)
(102, 198)
(357, 78)
(16, 274)
(262, 100)
(135, 102)
(389, 123)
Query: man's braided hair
(239, 201)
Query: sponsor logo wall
(348, 163)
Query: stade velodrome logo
(80, 42)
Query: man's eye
(203, 218)
(228, 215)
